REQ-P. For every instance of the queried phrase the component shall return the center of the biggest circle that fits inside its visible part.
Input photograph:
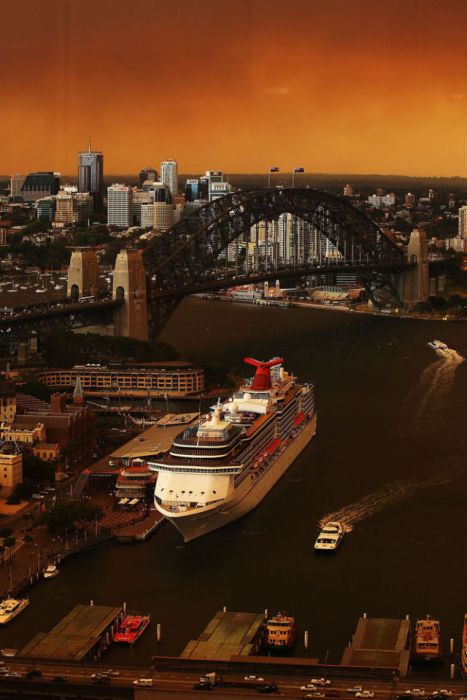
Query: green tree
(37, 389)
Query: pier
(85, 632)
(380, 642)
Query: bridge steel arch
(178, 262)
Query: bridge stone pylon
(129, 285)
(415, 282)
(83, 274)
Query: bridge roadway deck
(59, 309)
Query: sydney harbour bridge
(193, 257)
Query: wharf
(86, 630)
(151, 442)
(380, 643)
(228, 635)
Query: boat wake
(426, 404)
(383, 498)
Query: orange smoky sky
(334, 86)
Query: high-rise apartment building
(120, 205)
(169, 175)
(348, 191)
(90, 175)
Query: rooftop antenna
(89, 147)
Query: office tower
(147, 175)
(163, 216)
(140, 198)
(119, 205)
(161, 192)
(462, 224)
(45, 208)
(39, 185)
(212, 185)
(16, 183)
(409, 200)
(192, 190)
(169, 175)
(348, 191)
(90, 175)
(66, 209)
(147, 215)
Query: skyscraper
(462, 225)
(146, 174)
(119, 205)
(90, 175)
(169, 175)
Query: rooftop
(74, 636)
(379, 643)
(228, 634)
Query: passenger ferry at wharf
(427, 641)
(220, 469)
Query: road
(289, 686)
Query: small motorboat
(437, 345)
(51, 571)
(330, 537)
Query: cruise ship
(220, 469)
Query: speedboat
(437, 345)
(51, 571)
(10, 608)
(330, 537)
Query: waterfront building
(91, 174)
(169, 175)
(119, 205)
(39, 185)
(11, 468)
(150, 379)
(16, 183)
(133, 481)
(146, 175)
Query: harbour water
(388, 460)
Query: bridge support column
(415, 283)
(129, 285)
(83, 274)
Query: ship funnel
(262, 378)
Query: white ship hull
(247, 496)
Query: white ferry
(10, 608)
(330, 537)
(51, 571)
(219, 470)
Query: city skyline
(343, 87)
